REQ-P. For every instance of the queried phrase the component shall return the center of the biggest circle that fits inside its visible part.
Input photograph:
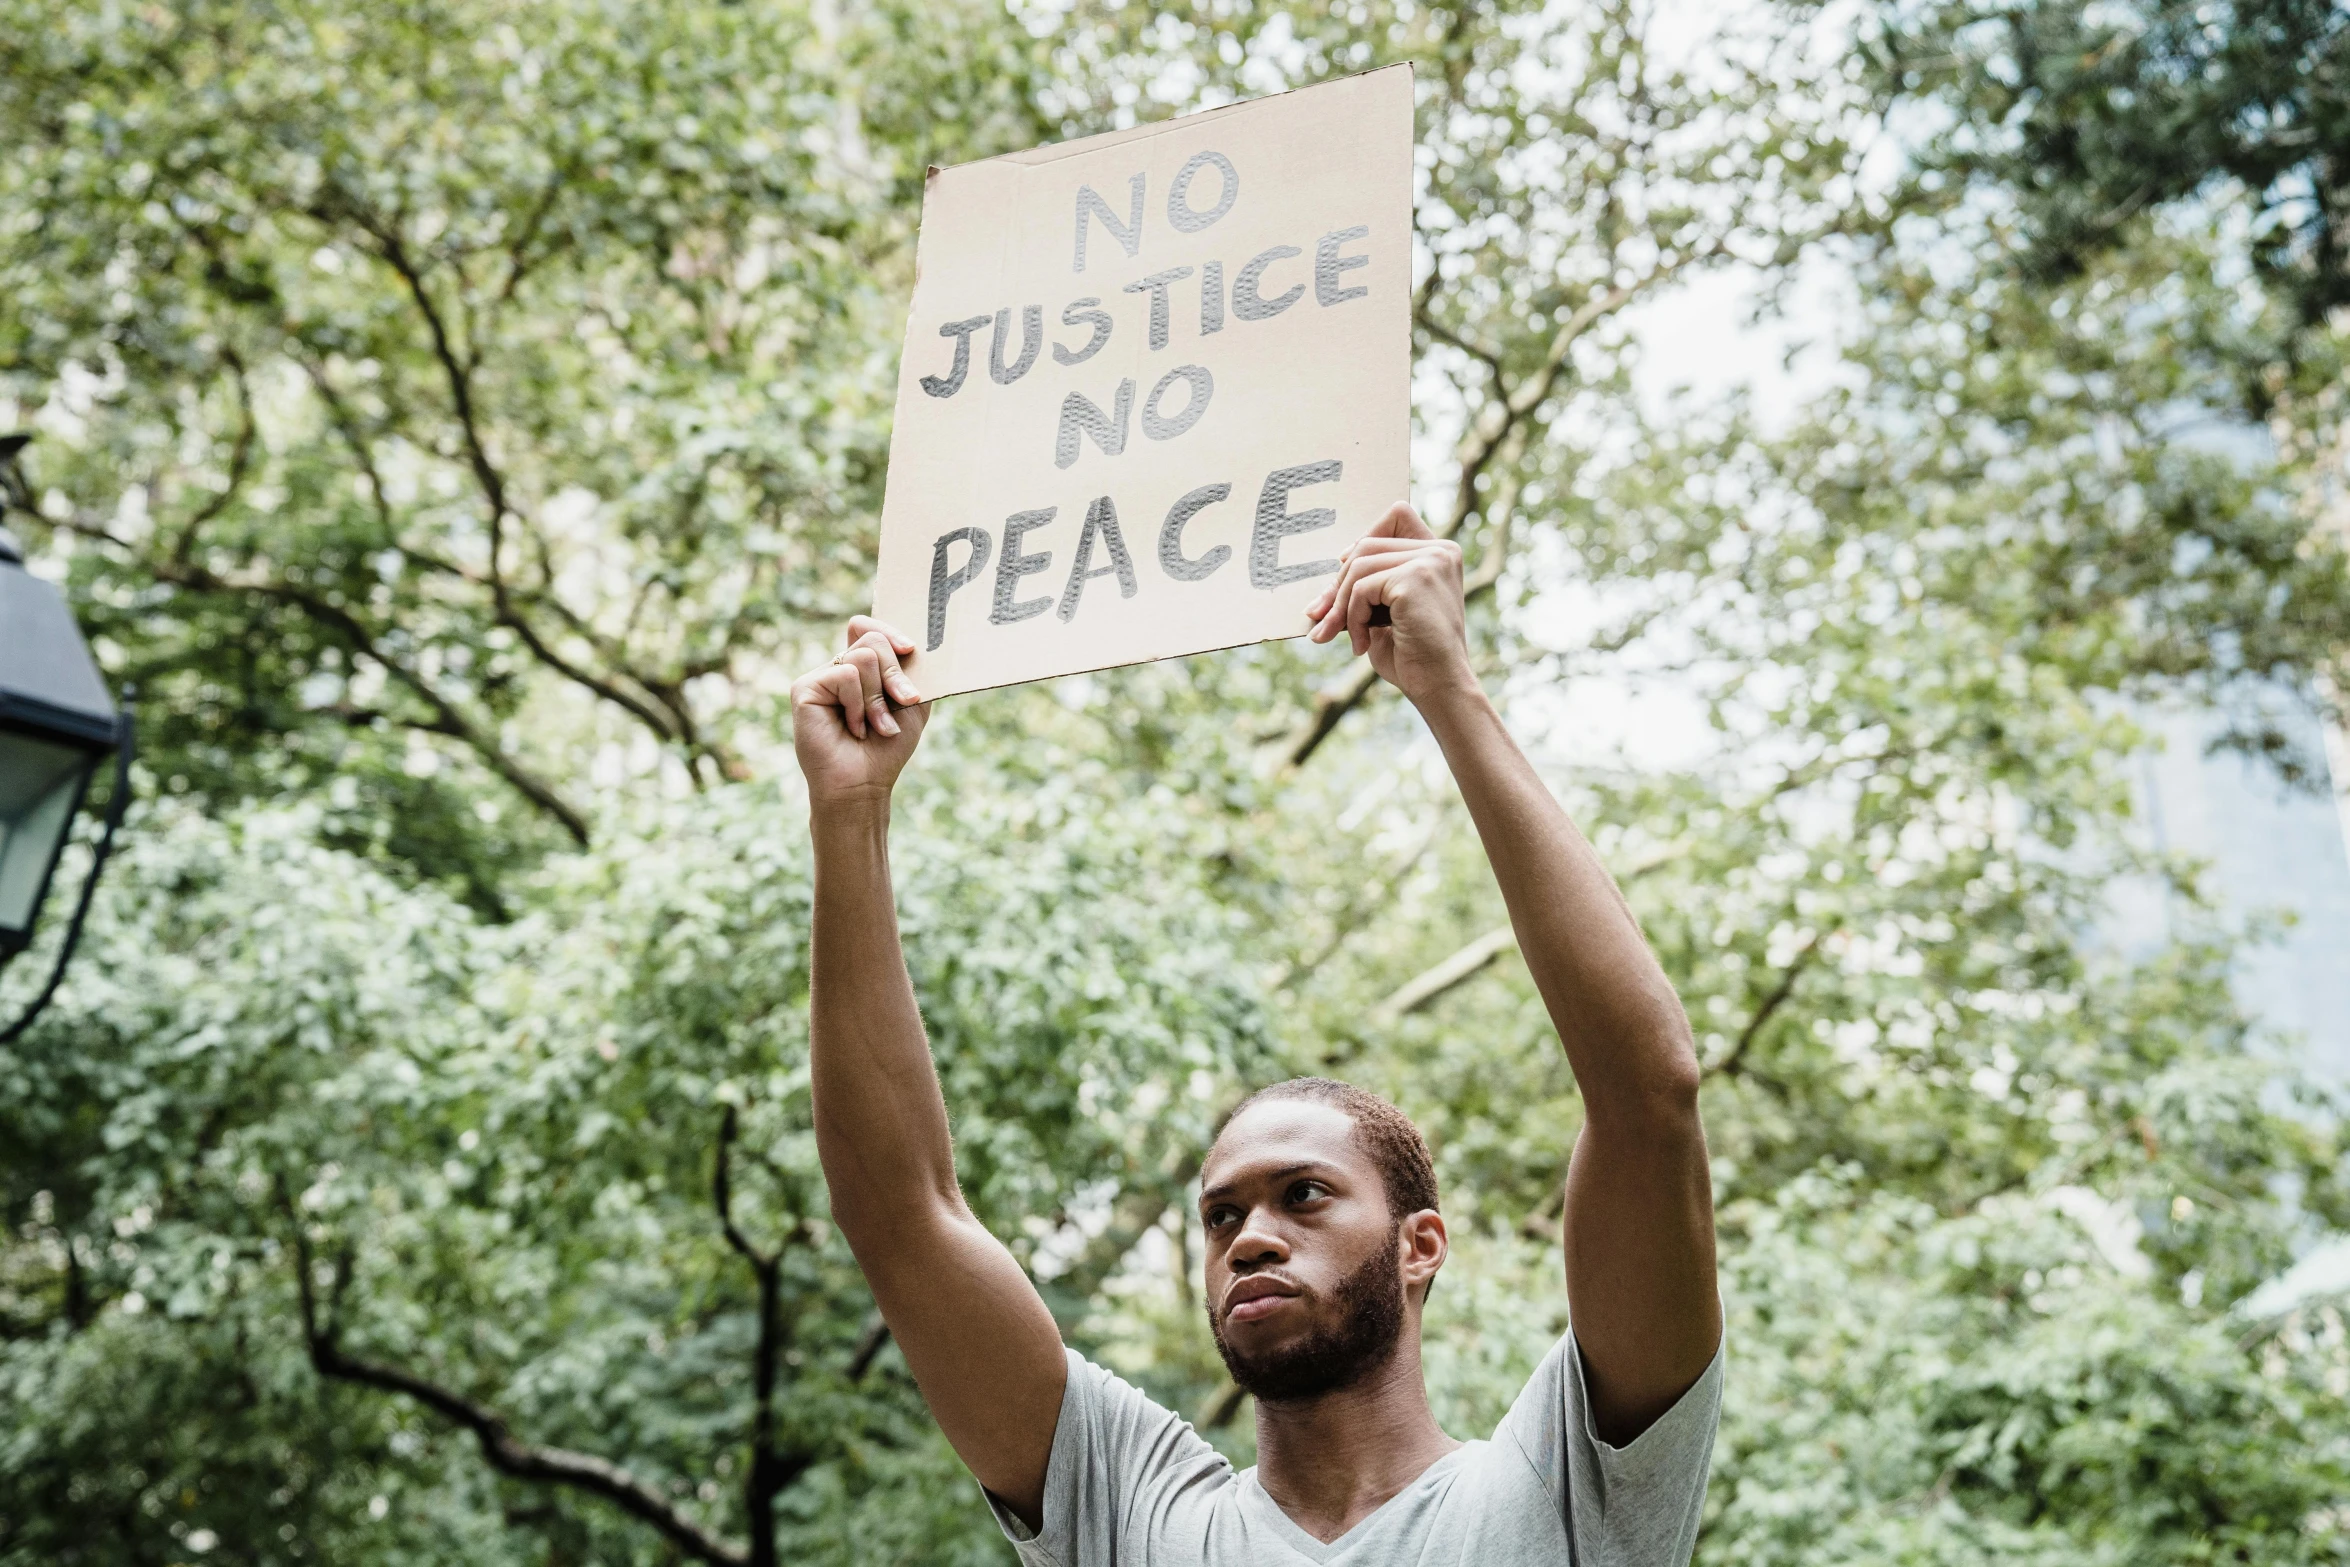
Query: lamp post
(57, 727)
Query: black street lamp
(57, 726)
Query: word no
(1081, 417)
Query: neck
(1329, 1462)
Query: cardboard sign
(1153, 384)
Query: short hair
(1386, 1133)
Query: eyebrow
(1224, 1189)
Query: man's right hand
(856, 720)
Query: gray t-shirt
(1130, 1484)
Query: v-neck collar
(1259, 1502)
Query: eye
(1308, 1191)
(1217, 1218)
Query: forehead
(1280, 1134)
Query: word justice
(1247, 299)
(1015, 561)
(1249, 302)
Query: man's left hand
(1424, 649)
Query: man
(1318, 1203)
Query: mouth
(1253, 1300)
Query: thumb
(1401, 522)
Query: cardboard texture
(1154, 382)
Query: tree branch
(1364, 897)
(1136, 1212)
(1329, 708)
(1224, 1407)
(771, 1469)
(722, 1194)
(448, 719)
(239, 464)
(504, 1451)
(870, 1344)
(1456, 970)
(340, 416)
(669, 693)
(518, 260)
(459, 375)
(1452, 339)
(1733, 1062)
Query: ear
(1422, 1246)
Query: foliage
(423, 350)
(490, 1154)
(2088, 116)
(460, 420)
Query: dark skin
(1290, 1204)
(1296, 1204)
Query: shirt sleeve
(1117, 1458)
(1632, 1506)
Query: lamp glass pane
(38, 782)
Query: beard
(1369, 1306)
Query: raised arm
(1639, 1232)
(977, 1336)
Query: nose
(1258, 1245)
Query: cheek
(1342, 1253)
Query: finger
(837, 686)
(893, 678)
(1371, 545)
(866, 659)
(1329, 605)
(861, 626)
(873, 697)
(833, 687)
(867, 664)
(1333, 614)
(1342, 610)
(1370, 591)
(1367, 545)
(1401, 522)
(849, 691)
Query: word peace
(1273, 523)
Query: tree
(378, 1138)
(402, 1178)
(433, 358)
(2089, 118)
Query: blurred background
(1898, 449)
